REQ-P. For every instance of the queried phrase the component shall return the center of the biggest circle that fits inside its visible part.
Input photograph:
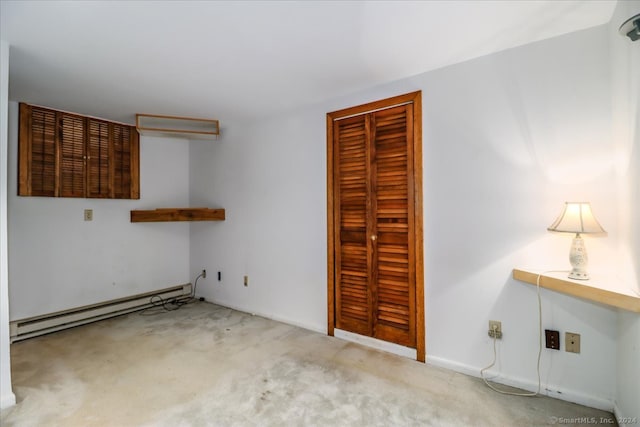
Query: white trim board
(551, 390)
(7, 400)
(282, 319)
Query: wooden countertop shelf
(178, 214)
(585, 289)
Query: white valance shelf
(172, 126)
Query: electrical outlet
(495, 329)
(204, 273)
(572, 342)
(246, 280)
(552, 339)
(88, 214)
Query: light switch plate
(572, 342)
(88, 214)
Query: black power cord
(160, 305)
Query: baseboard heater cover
(40, 325)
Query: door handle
(374, 237)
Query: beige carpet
(205, 365)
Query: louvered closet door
(374, 213)
(393, 286)
(353, 255)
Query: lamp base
(578, 259)
(579, 275)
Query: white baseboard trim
(344, 335)
(551, 390)
(621, 417)
(7, 400)
(288, 321)
(618, 414)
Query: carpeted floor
(205, 365)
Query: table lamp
(577, 218)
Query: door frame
(415, 186)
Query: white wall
(625, 63)
(507, 139)
(59, 261)
(515, 135)
(270, 179)
(7, 398)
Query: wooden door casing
(374, 183)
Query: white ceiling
(244, 60)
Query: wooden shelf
(585, 289)
(178, 214)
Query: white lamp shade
(576, 218)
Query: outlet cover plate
(552, 339)
(498, 329)
(572, 342)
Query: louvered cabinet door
(352, 254)
(393, 258)
(98, 159)
(121, 162)
(72, 156)
(64, 154)
(38, 164)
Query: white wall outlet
(88, 214)
(495, 329)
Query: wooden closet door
(375, 240)
(353, 253)
(392, 284)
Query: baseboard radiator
(40, 325)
